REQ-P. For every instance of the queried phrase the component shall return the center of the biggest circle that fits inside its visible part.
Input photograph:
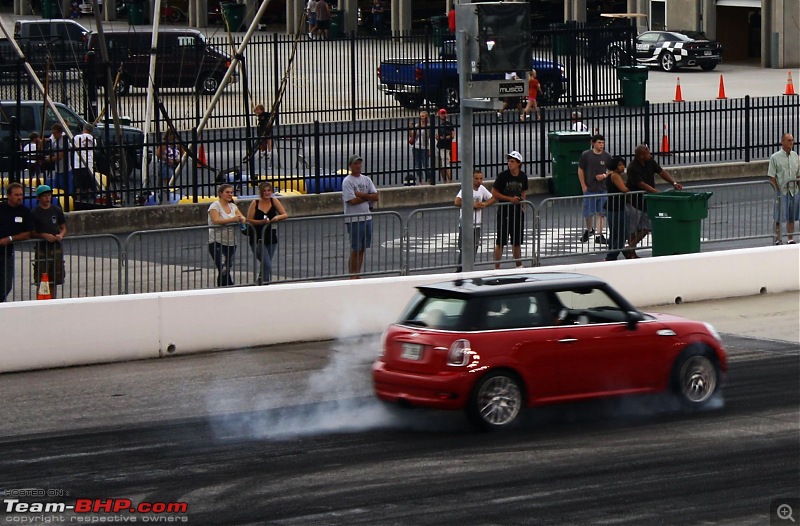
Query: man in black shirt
(49, 225)
(445, 133)
(510, 189)
(642, 176)
(16, 224)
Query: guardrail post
(353, 79)
(317, 173)
(747, 121)
(647, 123)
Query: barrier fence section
(91, 267)
(737, 211)
(781, 211)
(434, 239)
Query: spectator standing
(264, 132)
(16, 224)
(615, 208)
(784, 166)
(481, 198)
(577, 124)
(311, 13)
(50, 226)
(377, 16)
(534, 89)
(83, 146)
(358, 194)
(419, 139)
(445, 133)
(323, 18)
(59, 159)
(451, 19)
(169, 156)
(33, 155)
(262, 214)
(510, 189)
(642, 176)
(592, 170)
(222, 241)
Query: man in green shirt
(784, 166)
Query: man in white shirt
(358, 194)
(577, 123)
(481, 199)
(83, 163)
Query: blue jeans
(264, 254)
(617, 231)
(6, 271)
(223, 260)
(421, 163)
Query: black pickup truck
(61, 42)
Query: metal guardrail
(317, 248)
(780, 210)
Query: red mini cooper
(497, 344)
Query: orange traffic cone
(721, 89)
(454, 152)
(202, 162)
(790, 85)
(665, 142)
(43, 293)
(678, 94)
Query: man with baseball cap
(50, 226)
(445, 133)
(510, 189)
(358, 193)
(15, 225)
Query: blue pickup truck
(413, 81)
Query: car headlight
(713, 331)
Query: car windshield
(688, 36)
(434, 312)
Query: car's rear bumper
(448, 391)
(393, 89)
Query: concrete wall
(153, 217)
(173, 323)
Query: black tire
(208, 83)
(615, 57)
(708, 67)
(408, 100)
(450, 98)
(552, 90)
(123, 86)
(695, 377)
(496, 401)
(667, 61)
(176, 15)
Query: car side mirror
(633, 318)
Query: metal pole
(465, 142)
(148, 112)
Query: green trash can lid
(569, 135)
(679, 195)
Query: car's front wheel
(496, 401)
(450, 99)
(552, 89)
(695, 377)
(208, 83)
(667, 61)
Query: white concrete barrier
(67, 332)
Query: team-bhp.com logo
(94, 511)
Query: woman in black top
(263, 212)
(615, 208)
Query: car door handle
(567, 340)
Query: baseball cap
(353, 158)
(515, 155)
(42, 189)
(442, 111)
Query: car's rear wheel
(208, 83)
(123, 85)
(667, 61)
(695, 377)
(409, 101)
(450, 98)
(708, 66)
(496, 401)
(552, 90)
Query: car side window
(438, 313)
(517, 311)
(584, 306)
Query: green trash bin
(136, 13)
(675, 219)
(565, 149)
(50, 9)
(233, 13)
(440, 30)
(336, 27)
(634, 85)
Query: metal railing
(783, 214)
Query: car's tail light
(459, 353)
(418, 74)
(378, 71)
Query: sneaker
(601, 239)
(778, 242)
(791, 242)
(585, 236)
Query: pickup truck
(413, 81)
(29, 116)
(61, 41)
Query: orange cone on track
(202, 162)
(721, 89)
(43, 293)
(454, 152)
(678, 94)
(789, 85)
(665, 143)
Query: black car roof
(510, 283)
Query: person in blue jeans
(262, 214)
(222, 215)
(420, 140)
(615, 208)
(592, 168)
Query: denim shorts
(594, 203)
(787, 208)
(360, 235)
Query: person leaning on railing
(222, 241)
(50, 226)
(16, 224)
(263, 238)
(784, 167)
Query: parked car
(495, 345)
(59, 41)
(185, 59)
(670, 50)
